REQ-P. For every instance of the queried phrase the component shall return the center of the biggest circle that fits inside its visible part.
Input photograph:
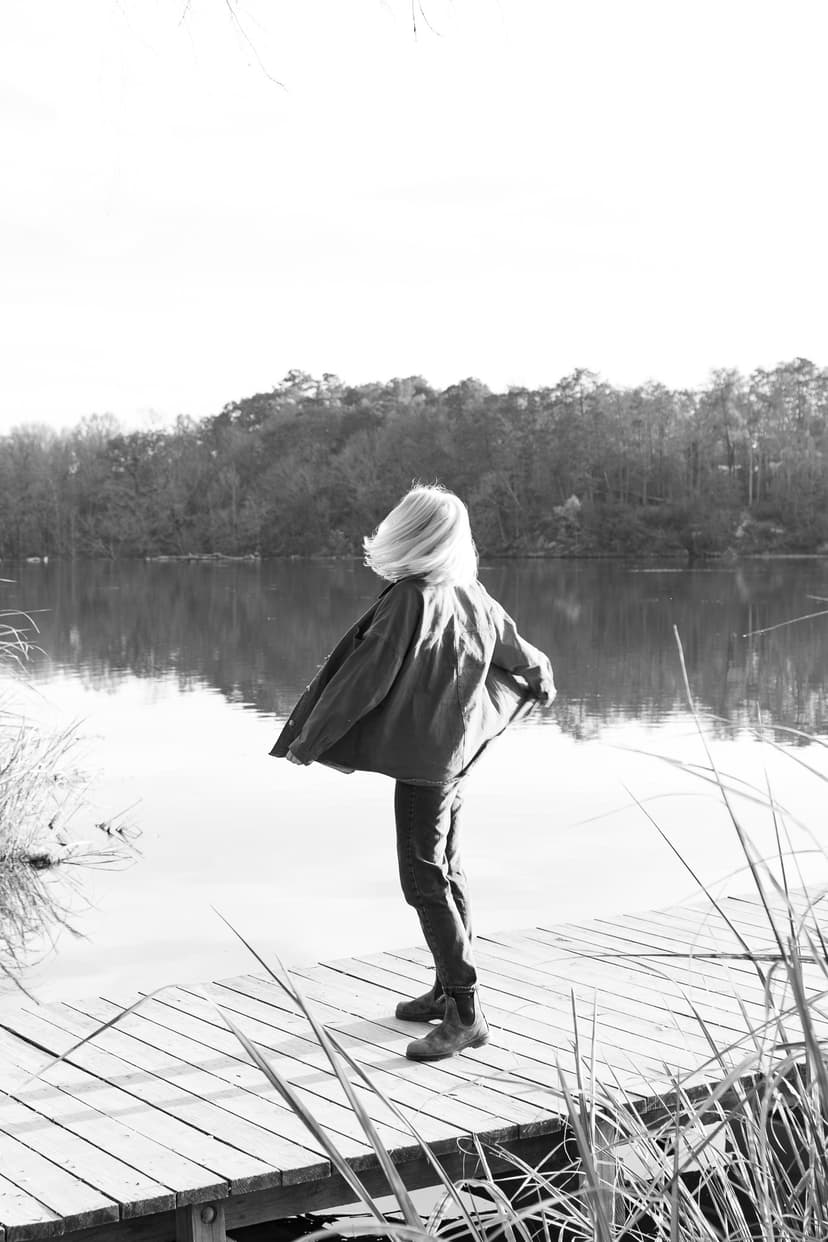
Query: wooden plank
(808, 899)
(709, 953)
(688, 1052)
(300, 1060)
(672, 933)
(353, 1021)
(752, 915)
(609, 942)
(536, 1039)
(538, 1001)
(283, 1201)
(763, 947)
(553, 1030)
(23, 1216)
(708, 999)
(706, 935)
(365, 1017)
(135, 1193)
(416, 1174)
(748, 911)
(638, 986)
(194, 1161)
(165, 1093)
(810, 919)
(162, 1164)
(157, 1228)
(175, 1061)
(373, 1043)
(209, 1074)
(669, 1008)
(746, 990)
(643, 940)
(76, 1203)
(502, 1052)
(539, 1062)
(726, 990)
(717, 978)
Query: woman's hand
(546, 690)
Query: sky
(198, 197)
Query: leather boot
(423, 1008)
(451, 1036)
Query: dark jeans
(432, 878)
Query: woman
(417, 688)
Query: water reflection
(34, 905)
(255, 632)
(179, 673)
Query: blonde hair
(426, 535)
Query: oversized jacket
(418, 686)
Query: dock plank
(669, 1010)
(362, 1006)
(556, 1008)
(73, 1200)
(378, 1044)
(24, 1216)
(591, 975)
(512, 1029)
(218, 1081)
(19, 1061)
(189, 1154)
(136, 1193)
(610, 948)
(166, 1094)
(302, 1061)
(678, 926)
(312, 1078)
(210, 1072)
(526, 1057)
(164, 1111)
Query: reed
(42, 787)
(39, 782)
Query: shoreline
(726, 558)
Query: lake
(180, 676)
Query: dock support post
(200, 1222)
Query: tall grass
(42, 787)
(36, 779)
(737, 1151)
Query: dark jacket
(418, 686)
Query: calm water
(181, 675)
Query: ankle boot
(423, 1008)
(451, 1036)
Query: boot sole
(444, 1056)
(432, 1015)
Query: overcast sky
(637, 187)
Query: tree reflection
(256, 632)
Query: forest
(582, 468)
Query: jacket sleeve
(515, 655)
(363, 680)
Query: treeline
(580, 468)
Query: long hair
(426, 535)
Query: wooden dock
(160, 1128)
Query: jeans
(432, 878)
